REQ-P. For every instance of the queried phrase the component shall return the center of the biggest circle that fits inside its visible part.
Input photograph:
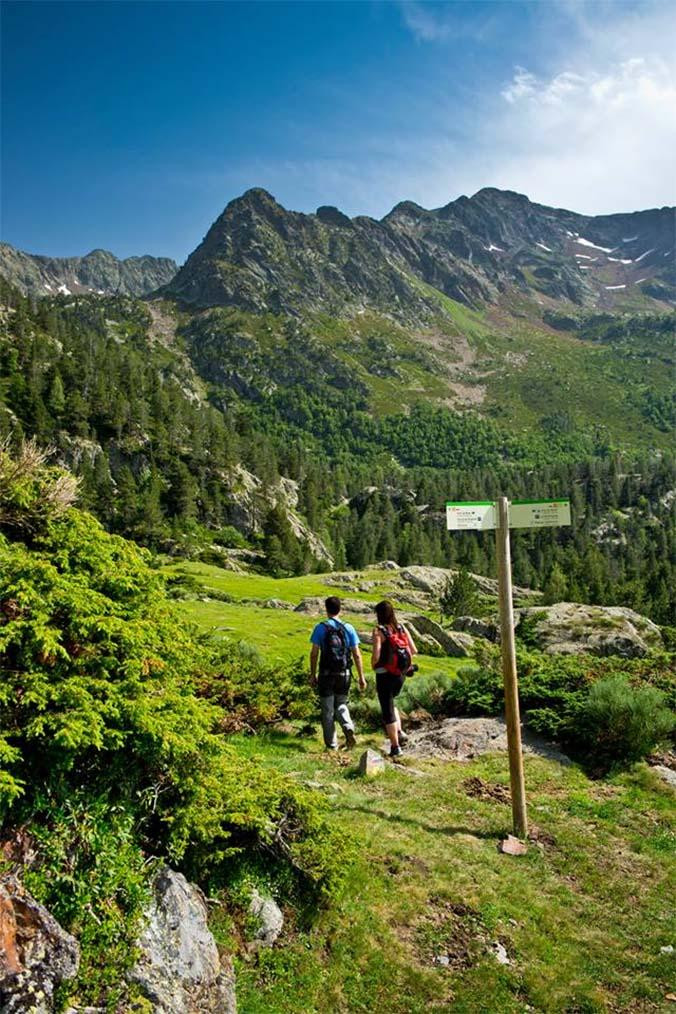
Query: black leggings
(388, 686)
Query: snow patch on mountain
(596, 246)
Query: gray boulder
(36, 953)
(667, 775)
(570, 628)
(268, 916)
(180, 970)
(465, 738)
(425, 644)
(477, 628)
(432, 581)
(314, 606)
(371, 764)
(277, 604)
(453, 643)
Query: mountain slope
(258, 256)
(99, 271)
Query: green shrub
(459, 596)
(89, 871)
(252, 693)
(554, 692)
(431, 693)
(622, 723)
(669, 638)
(98, 695)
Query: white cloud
(425, 23)
(524, 83)
(589, 127)
(591, 139)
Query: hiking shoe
(350, 739)
(403, 737)
(395, 751)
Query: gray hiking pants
(334, 706)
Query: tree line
(156, 453)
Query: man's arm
(356, 655)
(314, 655)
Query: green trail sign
(501, 515)
(480, 515)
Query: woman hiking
(393, 650)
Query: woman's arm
(377, 647)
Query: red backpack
(395, 656)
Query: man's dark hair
(332, 605)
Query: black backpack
(335, 656)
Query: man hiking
(335, 645)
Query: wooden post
(516, 777)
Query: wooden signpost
(502, 515)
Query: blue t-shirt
(318, 634)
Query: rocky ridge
(98, 272)
(258, 256)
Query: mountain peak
(330, 215)
(261, 257)
(255, 197)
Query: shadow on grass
(449, 832)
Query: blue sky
(130, 125)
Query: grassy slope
(529, 371)
(280, 635)
(582, 918)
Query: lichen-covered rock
(425, 644)
(180, 970)
(570, 628)
(37, 954)
(268, 916)
(477, 627)
(667, 775)
(453, 643)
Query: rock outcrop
(249, 503)
(465, 738)
(477, 627)
(453, 643)
(313, 605)
(571, 628)
(36, 953)
(180, 970)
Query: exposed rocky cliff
(259, 256)
(97, 272)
